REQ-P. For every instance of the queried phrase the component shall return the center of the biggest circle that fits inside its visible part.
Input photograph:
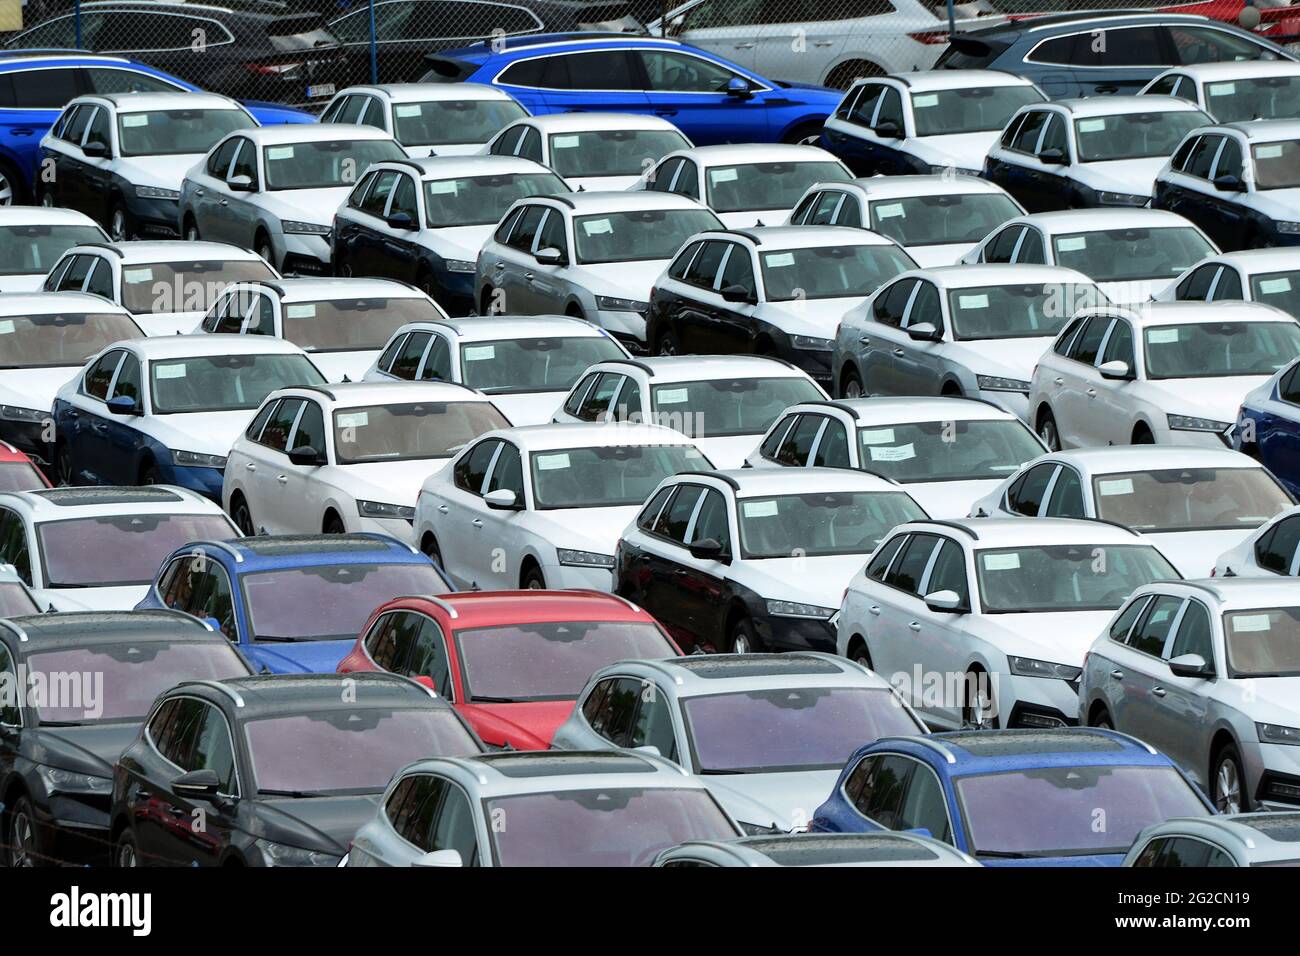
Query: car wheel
(191, 230)
(1048, 431)
(1228, 782)
(333, 524)
(47, 199)
(1103, 720)
(486, 300)
(25, 848)
(118, 229)
(433, 552)
(263, 248)
(859, 654)
(804, 136)
(741, 640)
(243, 517)
(1142, 436)
(851, 384)
(666, 344)
(342, 267)
(534, 580)
(575, 312)
(980, 710)
(12, 191)
(424, 282)
(125, 853)
(64, 474)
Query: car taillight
(930, 37)
(1213, 571)
(272, 69)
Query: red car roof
(11, 455)
(486, 608)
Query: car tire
(12, 190)
(263, 247)
(1047, 429)
(342, 267)
(1142, 435)
(332, 524)
(575, 312)
(978, 712)
(842, 76)
(666, 344)
(424, 281)
(64, 474)
(851, 384)
(809, 134)
(24, 845)
(119, 225)
(859, 653)
(1228, 781)
(125, 852)
(432, 551)
(533, 579)
(1102, 720)
(242, 515)
(741, 639)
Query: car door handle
(1092, 393)
(915, 625)
(823, 43)
(1158, 691)
(100, 427)
(477, 522)
(899, 352)
(282, 479)
(140, 793)
(1106, 88)
(250, 466)
(874, 609)
(744, 46)
(864, 341)
(22, 131)
(443, 509)
(665, 112)
(1116, 675)
(199, 192)
(681, 572)
(499, 265)
(175, 812)
(1058, 381)
(529, 276)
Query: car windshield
(822, 523)
(1277, 165)
(1189, 499)
(483, 200)
(1263, 642)
(445, 122)
(329, 601)
(1055, 811)
(19, 476)
(1134, 135)
(342, 325)
(767, 185)
(327, 164)
(941, 220)
(551, 660)
(69, 339)
(637, 235)
(720, 408)
(225, 383)
(620, 826)
(33, 250)
(551, 364)
(1116, 255)
(612, 476)
(119, 550)
(174, 132)
(1261, 97)
(15, 600)
(403, 432)
(346, 750)
(1280, 289)
(1066, 577)
(1018, 311)
(975, 109)
(830, 272)
(159, 287)
(612, 152)
(785, 729)
(119, 682)
(947, 451)
(1214, 349)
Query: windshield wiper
(301, 794)
(711, 772)
(278, 639)
(476, 699)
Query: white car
(1233, 91)
(33, 238)
(16, 598)
(343, 324)
(592, 151)
(1272, 549)
(543, 505)
(745, 184)
(1133, 254)
(984, 622)
(348, 458)
(722, 403)
(45, 337)
(974, 330)
(166, 285)
(1271, 276)
(428, 119)
(937, 219)
(275, 189)
(925, 122)
(525, 364)
(1192, 503)
(1167, 373)
(945, 452)
(98, 549)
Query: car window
(1025, 496)
(1031, 128)
(687, 182)
(739, 271)
(471, 469)
(923, 806)
(1201, 160)
(10, 713)
(13, 544)
(1067, 496)
(646, 519)
(1194, 44)
(551, 235)
(776, 437)
(906, 572)
(310, 432)
(100, 375)
(1031, 248)
(1229, 162)
(653, 725)
(407, 362)
(850, 213)
(949, 574)
(98, 130)
(799, 441)
(704, 270)
(127, 384)
(889, 307)
(453, 826)
(711, 521)
(521, 237)
(1195, 635)
(1196, 286)
(276, 433)
(508, 473)
(597, 402)
(1275, 550)
(1119, 630)
(880, 561)
(612, 719)
(219, 160)
(890, 110)
(1055, 137)
(833, 449)
(675, 520)
(926, 306)
(1228, 286)
(428, 656)
(388, 642)
(673, 72)
(1150, 635)
(176, 736)
(213, 749)
(574, 401)
(883, 787)
(1003, 245)
(864, 109)
(1088, 343)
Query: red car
(18, 472)
(512, 662)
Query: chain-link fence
(300, 51)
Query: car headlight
(16, 413)
(1277, 734)
(1190, 423)
(1028, 667)
(382, 509)
(65, 781)
(155, 192)
(584, 559)
(277, 854)
(194, 459)
(613, 303)
(811, 343)
(796, 609)
(755, 829)
(1122, 199)
(1291, 228)
(995, 383)
(949, 170)
(460, 265)
(296, 228)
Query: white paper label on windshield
(758, 509)
(723, 175)
(279, 152)
(352, 419)
(1001, 562)
(478, 353)
(973, 301)
(552, 462)
(406, 111)
(170, 371)
(896, 453)
(1222, 89)
(1091, 125)
(889, 210)
(1162, 336)
(922, 100)
(442, 188)
(672, 396)
(777, 260)
(1115, 486)
(1270, 286)
(1251, 622)
(597, 227)
(1268, 152)
(564, 142)
(1072, 244)
(304, 310)
(876, 436)
(6, 326)
(137, 275)
(130, 122)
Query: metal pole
(374, 46)
(952, 19)
(76, 19)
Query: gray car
(767, 734)
(1243, 839)
(818, 849)
(538, 809)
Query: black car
(249, 49)
(279, 770)
(74, 689)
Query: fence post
(374, 46)
(952, 20)
(76, 20)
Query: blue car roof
(28, 58)
(509, 48)
(963, 753)
(274, 552)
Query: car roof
(554, 771)
(831, 849)
(996, 273)
(601, 201)
(162, 347)
(56, 303)
(301, 288)
(460, 167)
(1266, 131)
(8, 453)
(902, 410)
(728, 154)
(1258, 260)
(928, 81)
(353, 394)
(22, 59)
(1236, 69)
(1238, 593)
(1116, 105)
(536, 43)
(268, 695)
(765, 482)
(167, 250)
(503, 608)
(1087, 220)
(902, 187)
(172, 100)
(54, 504)
(983, 751)
(1189, 312)
(43, 216)
(274, 552)
(430, 92)
(665, 369)
(982, 533)
(590, 122)
(310, 133)
(87, 629)
(479, 328)
(705, 674)
(587, 435)
(1260, 837)
(1113, 458)
(804, 237)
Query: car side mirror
(425, 681)
(198, 784)
(305, 455)
(706, 549)
(240, 184)
(550, 256)
(1191, 665)
(736, 293)
(944, 602)
(1115, 370)
(739, 87)
(502, 499)
(95, 150)
(123, 405)
(923, 332)
(888, 129)
(440, 858)
(1228, 183)
(401, 220)
(1052, 156)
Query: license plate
(320, 89)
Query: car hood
(443, 149)
(305, 205)
(816, 317)
(169, 323)
(807, 580)
(1195, 553)
(275, 114)
(396, 482)
(326, 824)
(92, 748)
(958, 150)
(529, 408)
(1097, 859)
(947, 254)
(600, 183)
(625, 280)
(1269, 700)
(728, 451)
(337, 366)
(91, 599)
(208, 433)
(1135, 177)
(34, 387)
(528, 725)
(458, 242)
(781, 800)
(1062, 637)
(302, 657)
(165, 172)
(21, 283)
(1277, 204)
(754, 217)
(583, 529)
(1134, 291)
(1215, 398)
(950, 499)
(1005, 358)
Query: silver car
(1208, 672)
(818, 849)
(1242, 839)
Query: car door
(266, 460)
(1226, 184)
(236, 212)
(361, 239)
(208, 187)
(1012, 163)
(1110, 405)
(604, 80)
(1277, 430)
(97, 156)
(512, 258)
(1119, 59)
(545, 287)
(300, 491)
(457, 505)
(399, 252)
(849, 131)
(660, 564)
(1068, 387)
(87, 419)
(62, 165)
(942, 642)
(1185, 187)
(696, 312)
(1180, 705)
(1138, 666)
(702, 588)
(919, 363)
(732, 328)
(493, 534)
(120, 437)
(894, 644)
(882, 334)
(693, 93)
(195, 832)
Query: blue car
(1072, 797)
(293, 604)
(710, 99)
(1268, 426)
(35, 85)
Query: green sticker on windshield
(1251, 622)
(477, 353)
(758, 509)
(406, 111)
